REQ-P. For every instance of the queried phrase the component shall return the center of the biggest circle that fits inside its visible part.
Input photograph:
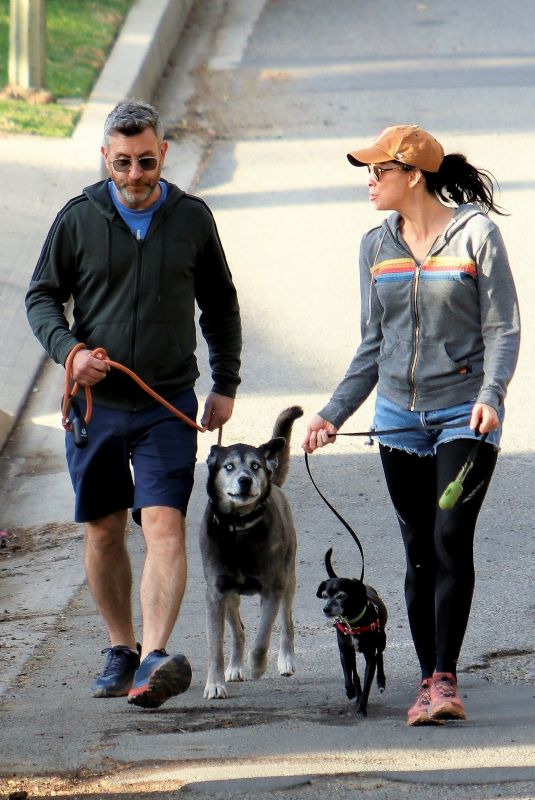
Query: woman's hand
(484, 417)
(317, 434)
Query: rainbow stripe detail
(435, 268)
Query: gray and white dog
(248, 545)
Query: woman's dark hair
(460, 182)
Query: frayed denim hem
(410, 450)
(474, 439)
(414, 452)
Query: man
(135, 252)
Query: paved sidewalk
(40, 175)
(276, 178)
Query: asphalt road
(262, 101)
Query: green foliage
(50, 119)
(80, 34)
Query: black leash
(449, 497)
(337, 515)
(372, 432)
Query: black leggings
(439, 582)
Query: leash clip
(78, 425)
(369, 441)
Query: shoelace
(445, 687)
(116, 659)
(424, 696)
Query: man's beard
(135, 199)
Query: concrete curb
(134, 67)
(59, 170)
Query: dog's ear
(212, 455)
(270, 450)
(321, 588)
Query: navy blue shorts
(134, 459)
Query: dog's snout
(245, 482)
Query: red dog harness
(345, 627)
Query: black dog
(360, 617)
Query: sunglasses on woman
(376, 171)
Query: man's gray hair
(130, 117)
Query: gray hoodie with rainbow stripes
(434, 334)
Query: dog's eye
(341, 595)
(255, 466)
(229, 467)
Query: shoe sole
(108, 693)
(169, 680)
(447, 711)
(118, 691)
(423, 719)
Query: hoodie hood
(463, 214)
(98, 196)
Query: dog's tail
(283, 427)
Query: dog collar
(344, 627)
(347, 625)
(236, 522)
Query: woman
(440, 336)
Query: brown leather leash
(69, 395)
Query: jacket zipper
(135, 306)
(416, 337)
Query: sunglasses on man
(146, 163)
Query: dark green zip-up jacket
(137, 298)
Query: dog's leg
(286, 662)
(215, 629)
(362, 704)
(234, 671)
(258, 656)
(348, 660)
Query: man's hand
(88, 370)
(485, 417)
(217, 411)
(317, 434)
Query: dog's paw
(362, 712)
(215, 691)
(351, 692)
(234, 674)
(286, 664)
(257, 663)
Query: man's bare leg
(164, 574)
(161, 676)
(109, 576)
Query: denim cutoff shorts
(388, 415)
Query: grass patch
(49, 119)
(80, 34)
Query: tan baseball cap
(408, 144)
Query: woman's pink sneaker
(445, 702)
(418, 714)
